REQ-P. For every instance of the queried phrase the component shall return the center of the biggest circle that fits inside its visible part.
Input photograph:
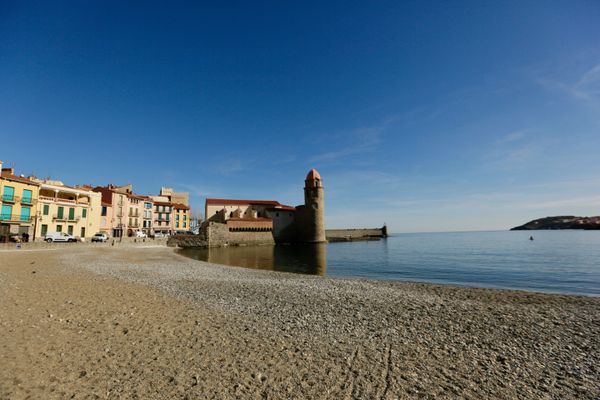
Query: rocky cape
(561, 222)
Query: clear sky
(429, 116)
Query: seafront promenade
(144, 322)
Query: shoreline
(199, 329)
(179, 252)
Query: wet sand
(102, 322)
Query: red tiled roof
(313, 174)
(249, 219)
(283, 208)
(233, 202)
(181, 206)
(15, 178)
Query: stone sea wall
(348, 235)
(214, 234)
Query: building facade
(181, 220)
(75, 210)
(18, 205)
(163, 217)
(302, 224)
(175, 197)
(147, 216)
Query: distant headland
(561, 222)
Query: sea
(555, 261)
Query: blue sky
(429, 116)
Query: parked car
(140, 234)
(100, 237)
(59, 237)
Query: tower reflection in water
(303, 259)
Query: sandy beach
(110, 323)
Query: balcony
(27, 201)
(15, 218)
(61, 200)
(63, 217)
(9, 198)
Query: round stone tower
(314, 202)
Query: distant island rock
(561, 222)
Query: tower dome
(313, 174)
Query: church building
(263, 221)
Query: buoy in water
(530, 237)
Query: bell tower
(314, 203)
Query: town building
(163, 212)
(231, 221)
(106, 217)
(17, 205)
(182, 217)
(147, 218)
(135, 214)
(175, 197)
(120, 200)
(75, 210)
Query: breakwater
(349, 235)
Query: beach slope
(102, 322)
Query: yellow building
(73, 210)
(181, 222)
(18, 200)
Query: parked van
(59, 237)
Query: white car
(140, 234)
(100, 237)
(59, 237)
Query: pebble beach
(101, 322)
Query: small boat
(530, 237)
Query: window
(26, 196)
(60, 214)
(6, 212)
(58, 228)
(9, 193)
(71, 215)
(70, 229)
(84, 213)
(104, 211)
(184, 225)
(82, 232)
(147, 206)
(184, 217)
(177, 225)
(177, 216)
(46, 209)
(25, 213)
(44, 230)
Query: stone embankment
(113, 242)
(349, 235)
(218, 235)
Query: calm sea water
(556, 261)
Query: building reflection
(304, 259)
